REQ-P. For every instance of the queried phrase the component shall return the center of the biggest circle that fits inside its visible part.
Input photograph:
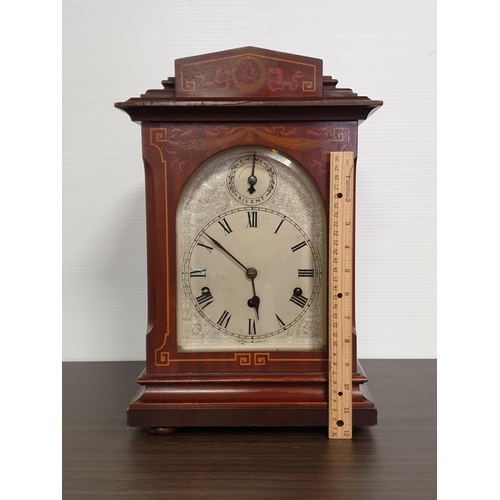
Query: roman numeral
(205, 299)
(280, 321)
(225, 226)
(298, 300)
(224, 319)
(206, 246)
(252, 219)
(251, 327)
(306, 273)
(198, 273)
(298, 246)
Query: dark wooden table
(102, 458)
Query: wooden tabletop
(102, 458)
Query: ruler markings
(340, 299)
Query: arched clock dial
(252, 273)
(251, 255)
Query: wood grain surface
(102, 458)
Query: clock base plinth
(171, 402)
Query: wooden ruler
(340, 294)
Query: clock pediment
(248, 72)
(249, 84)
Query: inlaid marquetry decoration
(177, 142)
(248, 72)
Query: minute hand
(216, 243)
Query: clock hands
(217, 244)
(250, 272)
(252, 180)
(254, 301)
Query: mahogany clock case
(240, 97)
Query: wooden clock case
(245, 96)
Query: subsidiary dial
(251, 180)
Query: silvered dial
(251, 249)
(252, 273)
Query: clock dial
(251, 179)
(252, 273)
(251, 261)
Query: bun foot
(162, 430)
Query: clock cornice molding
(249, 84)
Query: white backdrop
(116, 49)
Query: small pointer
(252, 180)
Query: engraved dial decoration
(252, 273)
(251, 250)
(251, 180)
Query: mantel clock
(236, 152)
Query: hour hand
(252, 274)
(254, 302)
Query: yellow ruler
(340, 294)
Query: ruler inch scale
(340, 294)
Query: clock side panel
(171, 154)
